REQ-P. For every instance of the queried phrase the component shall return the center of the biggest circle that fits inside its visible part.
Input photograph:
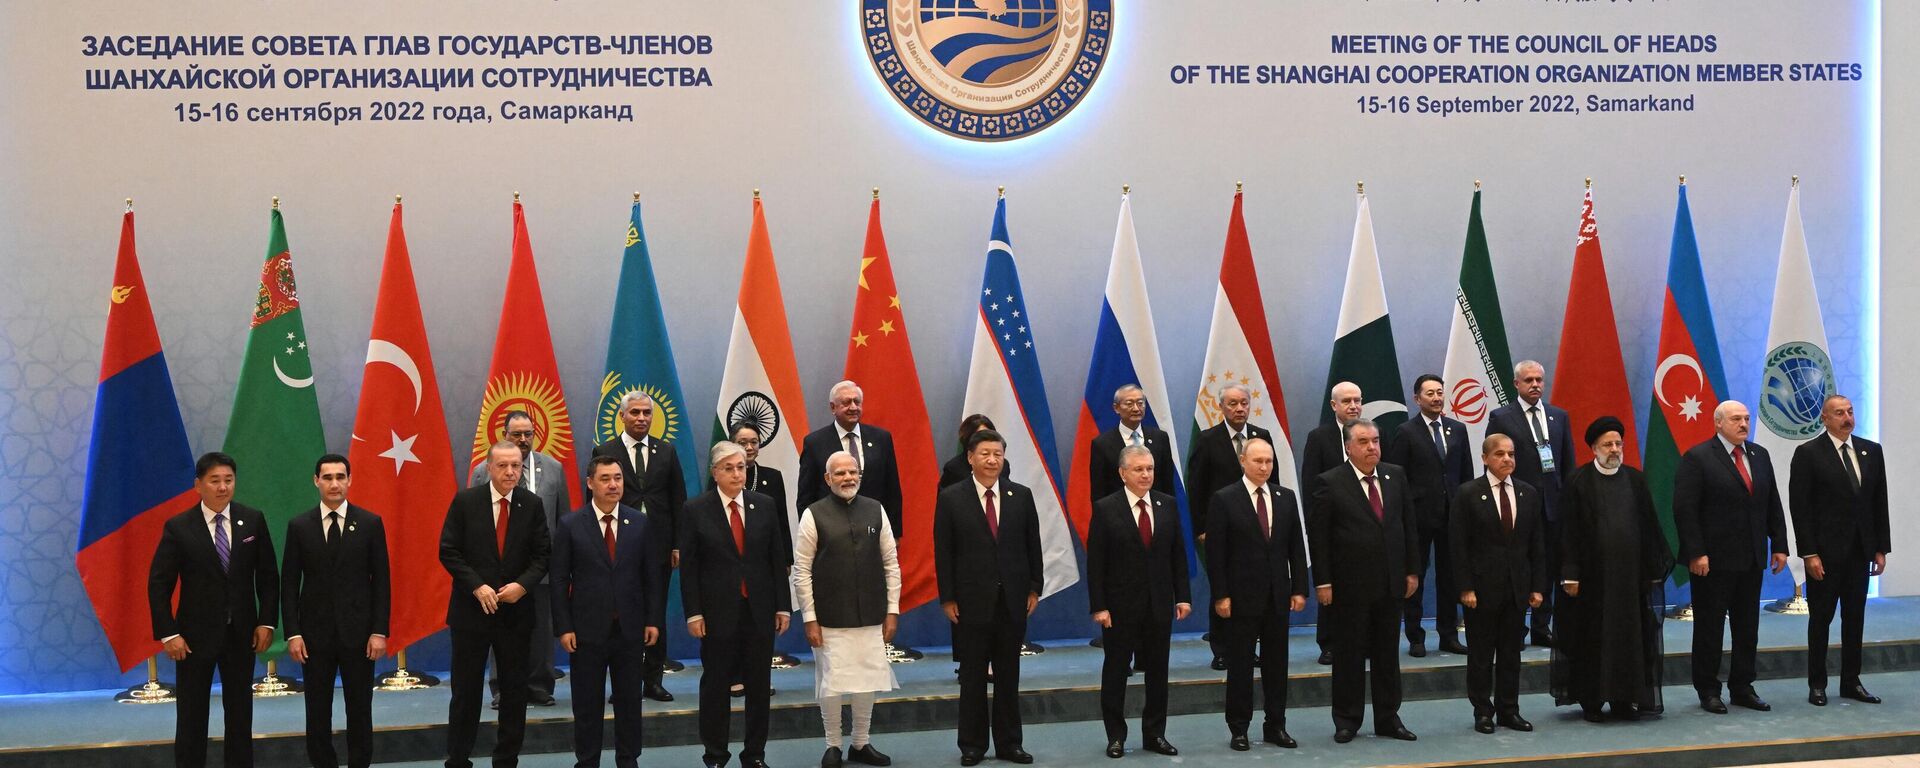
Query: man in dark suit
(1325, 449)
(986, 555)
(734, 587)
(603, 559)
(871, 446)
(220, 556)
(1103, 458)
(1838, 494)
(1362, 532)
(1727, 510)
(1542, 458)
(545, 477)
(336, 600)
(1215, 464)
(1433, 450)
(653, 483)
(1257, 562)
(1136, 588)
(1499, 550)
(495, 544)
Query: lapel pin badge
(239, 522)
(351, 527)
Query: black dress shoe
(737, 691)
(1342, 735)
(1817, 697)
(1596, 716)
(1515, 722)
(1543, 639)
(1483, 724)
(1713, 704)
(970, 758)
(831, 759)
(1160, 745)
(1751, 701)
(657, 692)
(494, 703)
(1219, 664)
(1417, 650)
(1015, 755)
(1239, 743)
(1326, 658)
(1397, 732)
(1280, 738)
(542, 701)
(1859, 693)
(753, 763)
(1116, 749)
(865, 754)
(1453, 646)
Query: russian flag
(1125, 351)
(139, 468)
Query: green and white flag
(274, 433)
(1363, 342)
(1478, 362)
(1799, 374)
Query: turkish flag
(524, 376)
(402, 456)
(881, 359)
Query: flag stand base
(783, 661)
(403, 679)
(901, 654)
(272, 685)
(153, 691)
(1790, 606)
(1032, 649)
(1681, 613)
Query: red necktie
(1740, 463)
(993, 515)
(1146, 525)
(1373, 500)
(500, 528)
(606, 521)
(1260, 511)
(739, 540)
(1506, 509)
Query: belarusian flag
(1590, 378)
(1363, 342)
(1688, 382)
(881, 359)
(1798, 375)
(761, 383)
(1478, 362)
(275, 429)
(1240, 351)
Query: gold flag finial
(876, 193)
(1126, 189)
(276, 202)
(756, 193)
(1238, 186)
(129, 204)
(1589, 183)
(396, 199)
(1360, 187)
(636, 197)
(1476, 184)
(1683, 179)
(1796, 181)
(516, 196)
(1003, 191)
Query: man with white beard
(846, 573)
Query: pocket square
(247, 540)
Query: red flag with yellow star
(881, 359)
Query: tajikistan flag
(1239, 351)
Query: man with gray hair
(1215, 464)
(1543, 459)
(871, 448)
(543, 476)
(653, 484)
(1325, 450)
(1103, 461)
(846, 575)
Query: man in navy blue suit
(1543, 458)
(1433, 450)
(604, 559)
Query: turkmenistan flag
(274, 433)
(1478, 362)
(640, 357)
(1688, 382)
(1363, 343)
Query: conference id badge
(1546, 458)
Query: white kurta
(853, 659)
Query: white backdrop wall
(795, 110)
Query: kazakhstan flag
(640, 354)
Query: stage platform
(1060, 704)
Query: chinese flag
(881, 359)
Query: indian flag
(761, 384)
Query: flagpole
(153, 691)
(272, 685)
(403, 679)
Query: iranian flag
(1240, 351)
(1478, 362)
(1799, 374)
(761, 383)
(275, 428)
(1363, 342)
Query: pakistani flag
(1798, 375)
(274, 433)
(1478, 362)
(1363, 343)
(640, 355)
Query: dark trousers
(1722, 599)
(620, 653)
(1269, 632)
(1146, 642)
(1446, 617)
(1543, 615)
(1363, 634)
(234, 664)
(326, 658)
(976, 644)
(507, 640)
(539, 675)
(736, 652)
(1494, 637)
(1845, 587)
(653, 665)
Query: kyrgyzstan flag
(139, 468)
(401, 449)
(524, 376)
(1590, 378)
(881, 359)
